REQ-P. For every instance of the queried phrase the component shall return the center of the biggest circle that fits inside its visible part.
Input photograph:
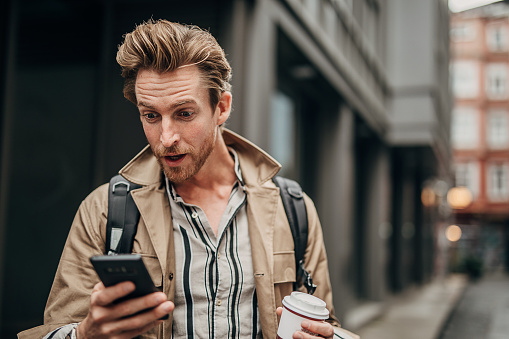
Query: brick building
(480, 129)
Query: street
(483, 311)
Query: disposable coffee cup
(298, 307)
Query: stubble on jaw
(178, 175)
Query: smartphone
(113, 269)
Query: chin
(178, 175)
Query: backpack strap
(123, 216)
(295, 208)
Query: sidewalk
(419, 314)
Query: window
(497, 129)
(282, 136)
(461, 32)
(465, 130)
(496, 37)
(496, 81)
(497, 176)
(465, 79)
(467, 174)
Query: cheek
(199, 133)
(151, 133)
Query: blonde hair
(165, 46)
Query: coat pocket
(284, 267)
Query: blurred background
(392, 114)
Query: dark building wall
(69, 129)
(411, 245)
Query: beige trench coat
(271, 243)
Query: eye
(150, 117)
(186, 114)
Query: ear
(224, 107)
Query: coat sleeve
(69, 298)
(316, 264)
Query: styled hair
(165, 46)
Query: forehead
(183, 81)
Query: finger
(142, 320)
(136, 305)
(98, 287)
(108, 295)
(279, 311)
(323, 329)
(306, 335)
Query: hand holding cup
(303, 316)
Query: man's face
(178, 121)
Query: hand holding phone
(113, 269)
(113, 311)
(123, 310)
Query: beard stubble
(198, 158)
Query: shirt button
(218, 255)
(218, 302)
(194, 215)
(171, 276)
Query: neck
(218, 170)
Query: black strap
(123, 216)
(295, 208)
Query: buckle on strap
(125, 183)
(304, 278)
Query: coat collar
(256, 165)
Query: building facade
(351, 96)
(480, 132)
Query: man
(213, 232)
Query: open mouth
(174, 160)
(175, 157)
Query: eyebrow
(173, 106)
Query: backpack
(123, 217)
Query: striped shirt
(215, 293)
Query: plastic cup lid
(307, 305)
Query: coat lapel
(261, 213)
(155, 213)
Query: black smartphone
(113, 269)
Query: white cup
(298, 307)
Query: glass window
(465, 128)
(465, 79)
(467, 174)
(497, 131)
(496, 81)
(282, 132)
(497, 176)
(496, 37)
(462, 32)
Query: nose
(169, 134)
